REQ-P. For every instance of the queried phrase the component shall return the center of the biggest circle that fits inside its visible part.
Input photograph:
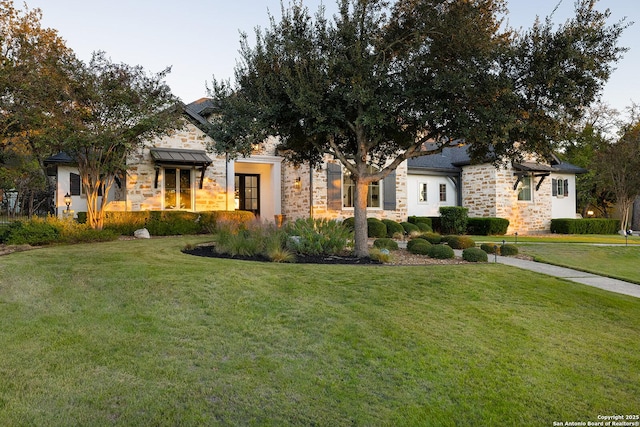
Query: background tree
(618, 168)
(593, 134)
(379, 84)
(35, 98)
(117, 109)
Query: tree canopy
(118, 109)
(50, 101)
(378, 81)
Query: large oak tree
(378, 81)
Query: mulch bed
(399, 257)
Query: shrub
(419, 248)
(424, 227)
(32, 232)
(508, 250)
(460, 242)
(349, 223)
(487, 226)
(585, 226)
(474, 255)
(433, 238)
(386, 243)
(376, 228)
(393, 228)
(318, 236)
(453, 219)
(440, 252)
(417, 241)
(172, 223)
(409, 228)
(420, 220)
(210, 220)
(490, 248)
(44, 231)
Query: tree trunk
(361, 247)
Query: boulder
(142, 233)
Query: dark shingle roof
(452, 159)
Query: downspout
(226, 180)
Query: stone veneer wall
(141, 192)
(488, 192)
(296, 202)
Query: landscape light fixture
(67, 201)
(516, 237)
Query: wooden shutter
(566, 188)
(389, 195)
(74, 184)
(334, 186)
(554, 187)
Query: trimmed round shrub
(416, 241)
(410, 228)
(433, 238)
(440, 252)
(424, 227)
(474, 255)
(508, 250)
(460, 242)
(376, 228)
(420, 248)
(490, 248)
(386, 243)
(393, 227)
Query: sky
(199, 39)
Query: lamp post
(67, 201)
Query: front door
(248, 193)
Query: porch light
(67, 201)
(297, 184)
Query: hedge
(386, 243)
(169, 223)
(376, 228)
(585, 226)
(487, 226)
(420, 220)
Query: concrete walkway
(606, 283)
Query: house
(529, 194)
(177, 172)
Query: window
(560, 187)
(74, 184)
(443, 192)
(177, 188)
(348, 191)
(422, 192)
(524, 194)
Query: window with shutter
(566, 188)
(389, 189)
(334, 186)
(554, 187)
(74, 184)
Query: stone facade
(488, 191)
(142, 192)
(305, 194)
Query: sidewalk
(606, 283)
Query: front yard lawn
(620, 262)
(137, 333)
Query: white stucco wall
(432, 206)
(561, 206)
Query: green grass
(620, 262)
(608, 239)
(136, 333)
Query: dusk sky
(200, 38)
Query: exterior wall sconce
(297, 184)
(67, 201)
